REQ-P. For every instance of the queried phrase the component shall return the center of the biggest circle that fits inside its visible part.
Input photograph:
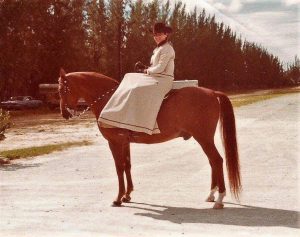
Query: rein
(65, 89)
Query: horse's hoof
(218, 205)
(126, 198)
(210, 199)
(117, 203)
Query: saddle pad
(184, 83)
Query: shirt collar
(162, 43)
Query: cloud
(210, 1)
(271, 24)
(226, 6)
(220, 10)
(235, 6)
(290, 2)
(251, 1)
(220, 6)
(281, 40)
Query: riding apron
(136, 102)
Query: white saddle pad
(184, 83)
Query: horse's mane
(92, 76)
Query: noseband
(64, 89)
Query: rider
(136, 102)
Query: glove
(139, 67)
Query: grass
(241, 100)
(40, 150)
(29, 118)
(260, 91)
(246, 100)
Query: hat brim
(166, 30)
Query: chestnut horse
(187, 112)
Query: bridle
(64, 90)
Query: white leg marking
(211, 196)
(219, 203)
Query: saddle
(181, 84)
(184, 83)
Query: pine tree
(292, 75)
(136, 34)
(97, 24)
(116, 32)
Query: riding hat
(161, 27)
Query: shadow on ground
(14, 167)
(242, 215)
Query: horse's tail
(228, 132)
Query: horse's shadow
(242, 215)
(14, 167)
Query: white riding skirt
(136, 103)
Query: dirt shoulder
(50, 128)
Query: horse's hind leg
(216, 163)
(213, 190)
(126, 197)
(117, 152)
(214, 186)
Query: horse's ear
(62, 72)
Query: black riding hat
(161, 27)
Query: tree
(97, 24)
(4, 123)
(115, 31)
(39, 37)
(136, 37)
(16, 39)
(293, 72)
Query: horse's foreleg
(117, 152)
(126, 197)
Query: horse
(186, 112)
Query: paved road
(69, 193)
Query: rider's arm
(166, 54)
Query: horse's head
(94, 88)
(68, 95)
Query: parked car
(49, 94)
(21, 102)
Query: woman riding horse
(187, 112)
(136, 102)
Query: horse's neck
(97, 97)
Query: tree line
(37, 38)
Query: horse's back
(190, 97)
(188, 108)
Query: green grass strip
(250, 99)
(238, 102)
(40, 150)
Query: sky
(272, 24)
